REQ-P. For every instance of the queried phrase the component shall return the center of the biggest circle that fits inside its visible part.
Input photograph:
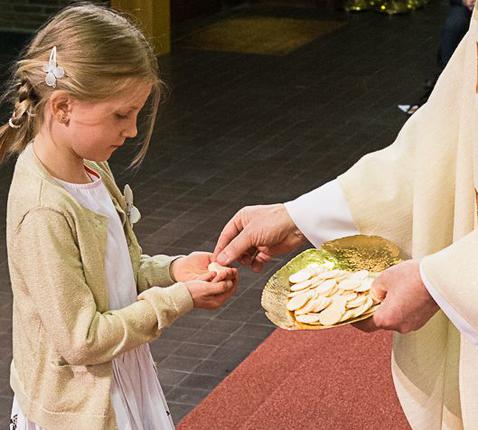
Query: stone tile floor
(248, 129)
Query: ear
(60, 106)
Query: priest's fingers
(228, 239)
(367, 325)
(379, 288)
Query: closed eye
(120, 116)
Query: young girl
(86, 301)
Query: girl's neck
(60, 161)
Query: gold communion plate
(352, 253)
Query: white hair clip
(12, 125)
(52, 70)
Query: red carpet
(337, 379)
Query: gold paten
(352, 253)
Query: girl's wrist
(174, 268)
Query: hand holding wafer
(257, 233)
(209, 284)
(197, 264)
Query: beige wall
(154, 16)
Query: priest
(420, 193)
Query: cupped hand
(406, 304)
(195, 265)
(257, 233)
(212, 290)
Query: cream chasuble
(420, 193)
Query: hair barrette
(52, 70)
(12, 125)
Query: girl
(86, 302)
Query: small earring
(62, 118)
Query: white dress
(136, 393)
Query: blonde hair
(101, 51)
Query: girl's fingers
(229, 273)
(217, 288)
(207, 276)
(220, 276)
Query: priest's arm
(323, 214)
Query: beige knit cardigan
(64, 335)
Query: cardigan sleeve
(154, 271)
(46, 261)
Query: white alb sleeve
(458, 321)
(323, 214)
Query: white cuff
(322, 214)
(458, 321)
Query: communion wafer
(300, 276)
(298, 301)
(359, 301)
(332, 314)
(365, 285)
(349, 284)
(334, 290)
(364, 308)
(360, 275)
(216, 267)
(315, 268)
(330, 274)
(298, 293)
(347, 315)
(308, 307)
(301, 285)
(307, 319)
(326, 286)
(330, 296)
(321, 303)
(349, 295)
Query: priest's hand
(257, 233)
(406, 304)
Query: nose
(131, 130)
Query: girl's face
(96, 129)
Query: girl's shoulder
(33, 188)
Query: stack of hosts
(420, 192)
(86, 301)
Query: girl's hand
(212, 290)
(406, 304)
(195, 265)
